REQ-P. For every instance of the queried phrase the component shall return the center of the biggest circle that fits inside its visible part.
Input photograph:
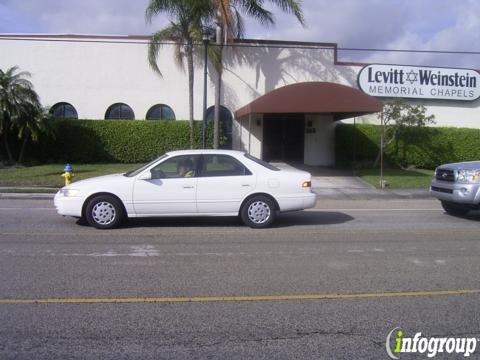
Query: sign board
(419, 82)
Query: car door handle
(245, 185)
(188, 187)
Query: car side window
(177, 167)
(222, 165)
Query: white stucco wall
(92, 75)
(248, 134)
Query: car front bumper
(68, 205)
(456, 192)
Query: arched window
(119, 111)
(160, 112)
(63, 110)
(225, 124)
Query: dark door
(283, 137)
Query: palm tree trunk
(22, 150)
(216, 119)
(7, 146)
(218, 87)
(190, 88)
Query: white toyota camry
(190, 183)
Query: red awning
(314, 98)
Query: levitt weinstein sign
(419, 82)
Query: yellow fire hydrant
(68, 174)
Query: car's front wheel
(455, 209)
(258, 212)
(104, 212)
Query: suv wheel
(455, 209)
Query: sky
(434, 25)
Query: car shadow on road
(182, 222)
(298, 218)
(311, 218)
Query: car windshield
(137, 171)
(261, 162)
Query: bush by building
(424, 147)
(122, 141)
(126, 141)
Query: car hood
(97, 180)
(468, 165)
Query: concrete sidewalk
(330, 183)
(353, 187)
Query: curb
(371, 194)
(322, 193)
(26, 196)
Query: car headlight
(70, 192)
(468, 176)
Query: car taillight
(307, 184)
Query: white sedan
(190, 183)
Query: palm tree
(229, 14)
(32, 122)
(17, 100)
(185, 29)
(229, 25)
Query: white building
(283, 99)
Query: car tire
(258, 212)
(104, 212)
(455, 209)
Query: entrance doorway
(283, 137)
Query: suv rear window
(261, 162)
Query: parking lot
(330, 282)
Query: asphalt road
(212, 288)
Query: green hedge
(124, 141)
(425, 147)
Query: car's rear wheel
(104, 212)
(455, 209)
(258, 212)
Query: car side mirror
(145, 176)
(157, 174)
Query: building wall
(92, 75)
(247, 134)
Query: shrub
(124, 141)
(424, 147)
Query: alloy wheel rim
(103, 213)
(259, 212)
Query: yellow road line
(138, 300)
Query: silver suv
(457, 186)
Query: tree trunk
(216, 118)
(190, 89)
(218, 88)
(22, 149)
(377, 159)
(7, 146)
